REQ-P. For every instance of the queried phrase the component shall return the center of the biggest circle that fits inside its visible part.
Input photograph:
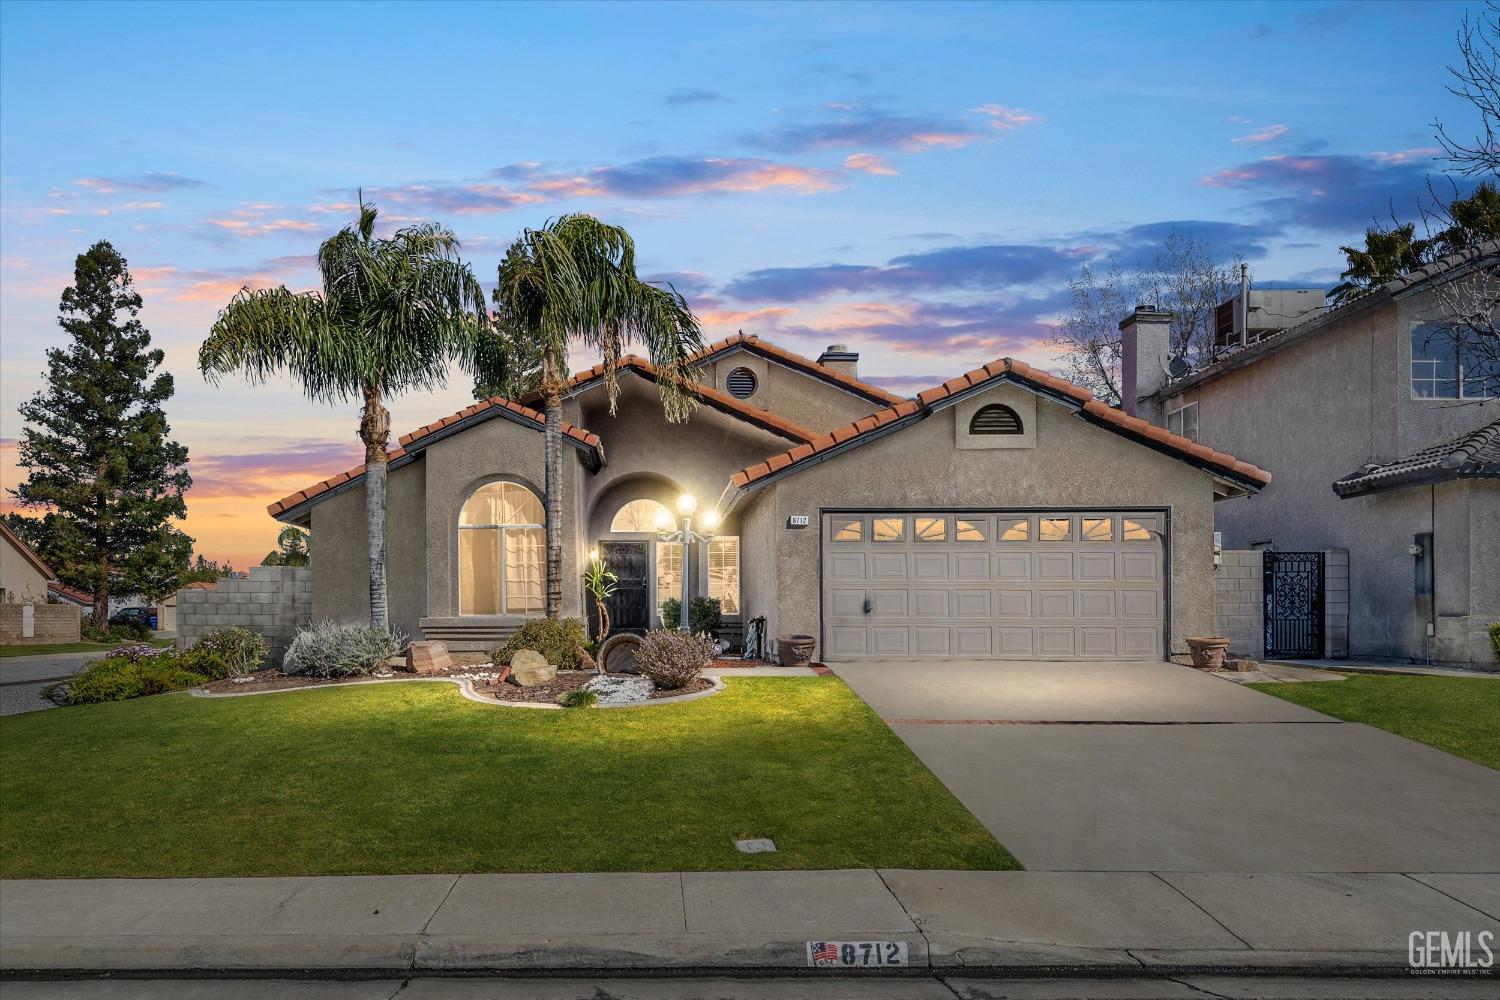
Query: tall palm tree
(392, 315)
(1386, 255)
(574, 280)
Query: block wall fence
(275, 601)
(49, 622)
(1240, 602)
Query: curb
(465, 688)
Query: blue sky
(916, 180)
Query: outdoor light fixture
(685, 536)
(593, 555)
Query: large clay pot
(1208, 651)
(795, 650)
(617, 655)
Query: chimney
(840, 359)
(1145, 342)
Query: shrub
(134, 632)
(673, 659)
(578, 698)
(118, 678)
(557, 639)
(228, 652)
(1495, 638)
(704, 615)
(330, 650)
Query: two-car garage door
(1047, 586)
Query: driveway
(1156, 767)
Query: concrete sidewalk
(1107, 923)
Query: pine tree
(95, 444)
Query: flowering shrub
(673, 659)
(330, 650)
(137, 653)
(228, 652)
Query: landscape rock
(616, 689)
(529, 667)
(427, 658)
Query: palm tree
(574, 280)
(1386, 255)
(392, 315)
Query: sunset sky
(917, 181)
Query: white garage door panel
(1001, 592)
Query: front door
(1294, 605)
(630, 605)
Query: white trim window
(724, 572)
(1447, 365)
(1183, 421)
(501, 552)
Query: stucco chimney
(840, 359)
(1145, 343)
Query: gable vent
(995, 419)
(741, 383)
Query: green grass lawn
(42, 648)
(1458, 714)
(414, 778)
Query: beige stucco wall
(1074, 464)
(19, 578)
(791, 394)
(1319, 409)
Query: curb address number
(856, 954)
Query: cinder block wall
(1239, 602)
(1336, 604)
(50, 622)
(275, 601)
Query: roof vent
(741, 383)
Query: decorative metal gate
(1294, 604)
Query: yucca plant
(393, 314)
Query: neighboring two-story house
(1385, 442)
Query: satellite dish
(1177, 368)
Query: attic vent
(741, 383)
(995, 419)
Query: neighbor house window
(1446, 364)
(668, 571)
(638, 516)
(932, 529)
(887, 529)
(1184, 422)
(724, 572)
(501, 544)
(1015, 529)
(997, 418)
(1053, 529)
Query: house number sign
(797, 521)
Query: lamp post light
(687, 505)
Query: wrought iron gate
(1294, 604)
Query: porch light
(663, 519)
(593, 555)
(711, 520)
(686, 504)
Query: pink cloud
(1267, 134)
(1006, 118)
(734, 317)
(869, 163)
(1407, 155)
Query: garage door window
(1017, 530)
(970, 531)
(1054, 529)
(1098, 529)
(932, 529)
(846, 529)
(1138, 529)
(888, 529)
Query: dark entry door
(1294, 604)
(630, 605)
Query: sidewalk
(1100, 923)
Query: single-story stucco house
(1003, 514)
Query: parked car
(132, 616)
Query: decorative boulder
(528, 667)
(427, 658)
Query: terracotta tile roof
(69, 593)
(417, 440)
(201, 585)
(1018, 371)
(26, 551)
(849, 383)
(1475, 455)
(707, 394)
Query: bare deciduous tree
(1182, 278)
(1477, 80)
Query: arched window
(501, 551)
(638, 516)
(996, 418)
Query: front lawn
(413, 778)
(44, 648)
(1458, 714)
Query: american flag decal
(822, 953)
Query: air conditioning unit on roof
(1270, 310)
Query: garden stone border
(466, 688)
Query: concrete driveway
(1156, 767)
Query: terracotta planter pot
(1208, 651)
(795, 650)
